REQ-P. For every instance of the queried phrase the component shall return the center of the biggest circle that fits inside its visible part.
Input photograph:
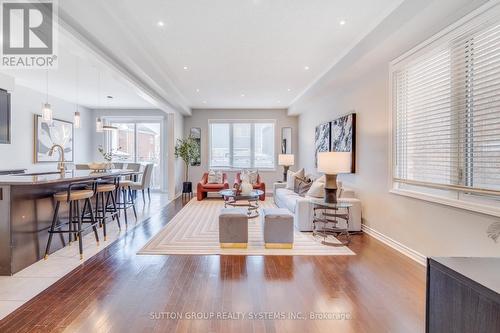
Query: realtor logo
(28, 33)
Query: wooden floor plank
(118, 291)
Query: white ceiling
(76, 79)
(255, 48)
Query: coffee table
(250, 200)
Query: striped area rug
(195, 231)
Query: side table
(326, 218)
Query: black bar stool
(127, 198)
(73, 197)
(107, 188)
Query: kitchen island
(26, 210)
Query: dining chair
(145, 182)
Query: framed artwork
(195, 133)
(59, 132)
(321, 140)
(343, 136)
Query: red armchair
(204, 187)
(257, 186)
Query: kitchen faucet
(60, 165)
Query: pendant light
(98, 125)
(98, 121)
(77, 118)
(46, 108)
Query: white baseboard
(412, 254)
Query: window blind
(446, 106)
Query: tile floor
(21, 287)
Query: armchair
(204, 187)
(257, 186)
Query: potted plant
(187, 150)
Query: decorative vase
(245, 186)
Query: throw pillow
(219, 177)
(317, 189)
(302, 185)
(290, 178)
(214, 177)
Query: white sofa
(302, 211)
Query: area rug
(195, 231)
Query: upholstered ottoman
(278, 228)
(233, 228)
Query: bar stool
(106, 187)
(73, 196)
(127, 198)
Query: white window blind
(237, 144)
(446, 106)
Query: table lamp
(331, 164)
(286, 160)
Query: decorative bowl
(99, 166)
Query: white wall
(25, 103)
(360, 83)
(173, 180)
(200, 118)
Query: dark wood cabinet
(463, 295)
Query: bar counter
(26, 209)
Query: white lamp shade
(286, 159)
(334, 162)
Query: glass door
(148, 148)
(137, 142)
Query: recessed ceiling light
(160, 23)
(242, 95)
(279, 101)
(185, 68)
(306, 68)
(342, 22)
(289, 89)
(197, 90)
(204, 102)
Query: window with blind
(242, 144)
(446, 113)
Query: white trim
(403, 249)
(457, 203)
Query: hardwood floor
(378, 290)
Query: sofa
(302, 211)
(204, 186)
(257, 186)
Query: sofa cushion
(290, 178)
(317, 189)
(213, 186)
(214, 177)
(252, 175)
(302, 185)
(287, 198)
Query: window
(446, 114)
(242, 144)
(137, 142)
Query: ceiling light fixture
(306, 68)
(242, 95)
(197, 90)
(160, 23)
(204, 102)
(342, 22)
(289, 89)
(185, 68)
